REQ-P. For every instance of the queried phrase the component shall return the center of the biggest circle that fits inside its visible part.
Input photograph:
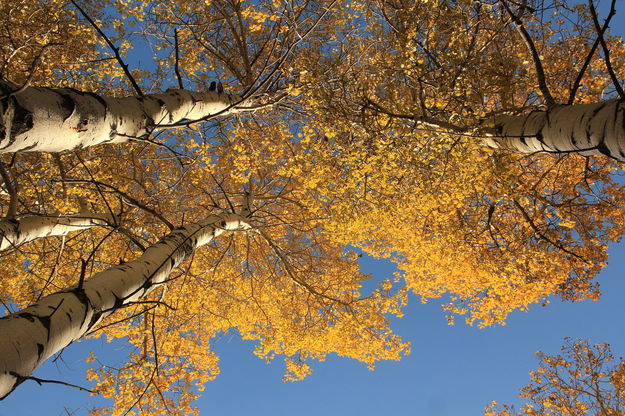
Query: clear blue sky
(452, 371)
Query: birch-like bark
(14, 232)
(54, 120)
(587, 129)
(32, 335)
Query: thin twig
(125, 197)
(287, 267)
(153, 141)
(591, 53)
(418, 119)
(223, 191)
(147, 386)
(11, 189)
(176, 68)
(540, 72)
(556, 243)
(31, 71)
(57, 262)
(59, 164)
(128, 318)
(40, 381)
(251, 91)
(83, 271)
(156, 364)
(132, 237)
(84, 263)
(106, 202)
(114, 48)
(606, 51)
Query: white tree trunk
(30, 336)
(54, 120)
(587, 129)
(14, 232)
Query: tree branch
(114, 48)
(418, 119)
(287, 267)
(540, 72)
(606, 52)
(128, 199)
(11, 189)
(600, 33)
(40, 381)
(556, 244)
(31, 71)
(176, 68)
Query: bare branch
(40, 381)
(54, 269)
(176, 68)
(582, 70)
(106, 202)
(127, 198)
(31, 71)
(127, 318)
(223, 191)
(556, 244)
(114, 48)
(287, 267)
(418, 119)
(540, 72)
(11, 189)
(606, 51)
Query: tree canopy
(331, 129)
(582, 380)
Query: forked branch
(606, 51)
(591, 53)
(538, 65)
(114, 48)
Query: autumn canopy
(175, 170)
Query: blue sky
(452, 371)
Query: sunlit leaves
(496, 232)
(366, 149)
(581, 381)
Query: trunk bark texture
(54, 120)
(14, 232)
(30, 336)
(587, 129)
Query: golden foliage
(340, 163)
(581, 381)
